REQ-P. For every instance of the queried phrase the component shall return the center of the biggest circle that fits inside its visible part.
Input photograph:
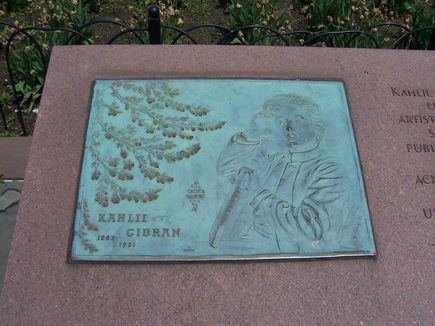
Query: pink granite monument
(391, 99)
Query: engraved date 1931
(127, 244)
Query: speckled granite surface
(14, 152)
(41, 288)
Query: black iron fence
(399, 37)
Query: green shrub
(19, 5)
(335, 15)
(93, 5)
(26, 61)
(268, 13)
(418, 15)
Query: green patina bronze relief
(220, 170)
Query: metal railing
(404, 38)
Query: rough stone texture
(13, 156)
(394, 289)
(9, 198)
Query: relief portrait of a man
(281, 183)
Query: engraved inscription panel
(220, 169)
(422, 120)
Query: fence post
(432, 40)
(3, 116)
(154, 26)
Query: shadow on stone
(9, 198)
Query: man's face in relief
(300, 133)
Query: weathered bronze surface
(220, 170)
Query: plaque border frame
(218, 258)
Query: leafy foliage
(93, 5)
(86, 226)
(27, 62)
(161, 131)
(336, 15)
(270, 13)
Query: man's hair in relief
(289, 101)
